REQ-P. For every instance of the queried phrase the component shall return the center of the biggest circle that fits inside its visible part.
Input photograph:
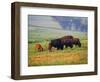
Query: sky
(61, 22)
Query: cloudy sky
(64, 22)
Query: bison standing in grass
(38, 47)
(67, 41)
(56, 43)
(76, 42)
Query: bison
(38, 47)
(67, 41)
(56, 43)
(76, 42)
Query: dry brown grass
(56, 59)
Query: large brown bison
(76, 42)
(67, 41)
(56, 43)
(38, 47)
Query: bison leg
(61, 48)
(50, 47)
(66, 46)
(58, 48)
(79, 44)
(41, 49)
(71, 46)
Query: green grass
(67, 56)
(40, 34)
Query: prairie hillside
(43, 33)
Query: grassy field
(67, 56)
(75, 55)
